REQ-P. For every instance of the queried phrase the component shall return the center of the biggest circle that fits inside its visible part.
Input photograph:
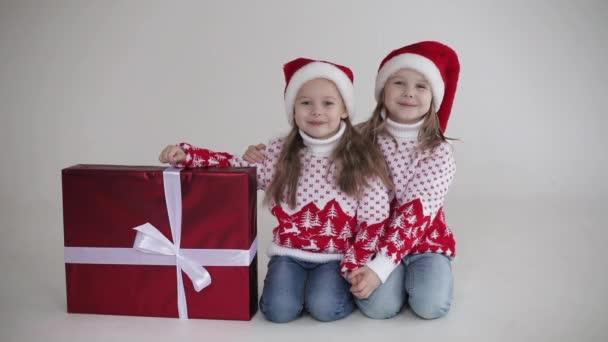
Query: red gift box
(109, 272)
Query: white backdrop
(115, 81)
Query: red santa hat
(302, 70)
(437, 62)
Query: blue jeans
(425, 280)
(292, 286)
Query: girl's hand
(254, 154)
(353, 280)
(172, 154)
(364, 282)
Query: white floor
(527, 270)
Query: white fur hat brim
(319, 70)
(415, 62)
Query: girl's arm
(196, 157)
(422, 199)
(372, 216)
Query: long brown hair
(356, 161)
(429, 135)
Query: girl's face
(319, 108)
(407, 96)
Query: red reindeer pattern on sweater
(326, 224)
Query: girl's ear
(344, 115)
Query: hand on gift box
(254, 154)
(364, 282)
(172, 154)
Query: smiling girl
(327, 187)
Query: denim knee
(279, 310)
(378, 310)
(429, 284)
(430, 308)
(388, 299)
(327, 309)
(328, 296)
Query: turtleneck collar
(323, 146)
(401, 131)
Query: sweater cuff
(187, 148)
(382, 265)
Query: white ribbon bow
(150, 240)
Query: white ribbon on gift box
(158, 250)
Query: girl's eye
(305, 103)
(399, 83)
(328, 103)
(421, 86)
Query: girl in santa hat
(415, 88)
(327, 187)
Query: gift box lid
(102, 203)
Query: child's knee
(379, 310)
(327, 310)
(278, 310)
(430, 307)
